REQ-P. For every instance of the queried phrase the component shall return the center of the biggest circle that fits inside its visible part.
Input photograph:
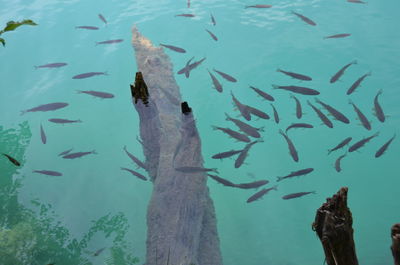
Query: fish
(212, 35)
(361, 116)
(244, 127)
(338, 167)
(257, 112)
(305, 19)
(135, 159)
(78, 154)
(378, 109)
(109, 41)
(298, 89)
(276, 116)
(98, 94)
(292, 149)
(252, 185)
(336, 76)
(51, 65)
(225, 76)
(89, 74)
(299, 125)
(48, 172)
(340, 145)
(295, 75)
(238, 136)
(63, 121)
(12, 160)
(259, 6)
(384, 147)
(362, 142)
(334, 112)
(242, 156)
(260, 194)
(356, 1)
(297, 173)
(222, 181)
(137, 174)
(87, 27)
(43, 135)
(195, 169)
(185, 70)
(173, 48)
(336, 36)
(103, 19)
(65, 152)
(213, 20)
(216, 83)
(188, 3)
(192, 66)
(321, 115)
(226, 154)
(297, 195)
(243, 109)
(185, 15)
(263, 94)
(299, 111)
(46, 107)
(357, 83)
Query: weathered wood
(181, 223)
(396, 243)
(333, 225)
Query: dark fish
(78, 154)
(378, 109)
(322, 116)
(341, 35)
(258, 6)
(174, 48)
(305, 19)
(365, 122)
(384, 147)
(65, 152)
(292, 149)
(297, 195)
(222, 181)
(137, 174)
(336, 76)
(43, 135)
(244, 127)
(242, 156)
(135, 159)
(98, 252)
(243, 109)
(46, 107)
(12, 160)
(357, 83)
(238, 136)
(185, 15)
(226, 154)
(185, 69)
(276, 116)
(62, 121)
(90, 74)
(362, 142)
(263, 94)
(338, 167)
(48, 172)
(103, 19)
(340, 145)
(216, 83)
(225, 76)
(298, 89)
(356, 1)
(296, 174)
(295, 75)
(299, 112)
(110, 41)
(260, 194)
(252, 185)
(299, 125)
(98, 94)
(214, 37)
(195, 169)
(258, 113)
(213, 20)
(188, 3)
(192, 66)
(87, 27)
(51, 65)
(334, 112)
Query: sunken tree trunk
(181, 223)
(333, 225)
(396, 243)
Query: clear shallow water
(252, 44)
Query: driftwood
(333, 225)
(396, 243)
(181, 223)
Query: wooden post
(396, 243)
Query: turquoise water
(252, 44)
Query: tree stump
(333, 225)
(396, 243)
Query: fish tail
(369, 73)
(214, 127)
(278, 179)
(227, 116)
(79, 91)
(329, 151)
(275, 86)
(314, 192)
(106, 73)
(281, 132)
(94, 152)
(380, 92)
(354, 62)
(261, 128)
(279, 70)
(35, 67)
(23, 112)
(215, 170)
(275, 187)
(96, 43)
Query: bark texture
(181, 219)
(396, 243)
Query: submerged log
(181, 223)
(333, 225)
(396, 243)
